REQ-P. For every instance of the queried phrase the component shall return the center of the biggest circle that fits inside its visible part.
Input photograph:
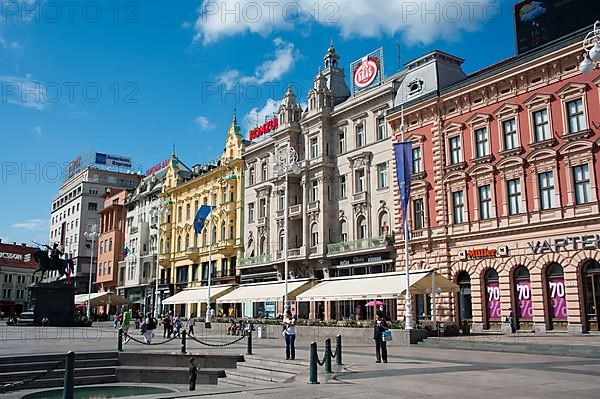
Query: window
(482, 143)
(314, 235)
(360, 180)
(251, 176)
(6, 293)
(384, 229)
(581, 177)
(417, 156)
(110, 243)
(179, 214)
(231, 230)
(281, 240)
(224, 195)
(262, 211)
(381, 128)
(8, 278)
(382, 175)
(250, 212)
(92, 206)
(343, 191)
(223, 231)
(485, 202)
(344, 231)
(576, 116)
(458, 204)
(314, 148)
(265, 172)
(360, 135)
(213, 199)
(418, 214)
(188, 211)
(455, 150)
(546, 181)
(281, 201)
(342, 145)
(541, 125)
(314, 191)
(362, 228)
(514, 196)
(509, 130)
(109, 266)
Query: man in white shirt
(289, 331)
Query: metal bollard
(327, 359)
(183, 343)
(313, 377)
(249, 347)
(69, 383)
(338, 350)
(120, 340)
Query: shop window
(464, 296)
(555, 279)
(493, 302)
(591, 290)
(522, 294)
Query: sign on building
(367, 72)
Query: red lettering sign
(157, 167)
(366, 72)
(264, 129)
(481, 253)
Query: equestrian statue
(52, 262)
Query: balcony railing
(133, 229)
(257, 260)
(313, 206)
(350, 246)
(295, 210)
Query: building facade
(75, 210)
(505, 196)
(16, 274)
(184, 256)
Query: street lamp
(591, 48)
(91, 234)
(160, 209)
(286, 162)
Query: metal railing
(257, 260)
(350, 246)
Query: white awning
(380, 286)
(101, 298)
(197, 295)
(265, 292)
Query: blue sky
(132, 77)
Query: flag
(125, 251)
(200, 218)
(403, 154)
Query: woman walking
(380, 345)
(289, 332)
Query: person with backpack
(178, 326)
(148, 328)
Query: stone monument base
(54, 301)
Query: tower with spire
(335, 76)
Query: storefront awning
(197, 295)
(101, 298)
(381, 286)
(265, 292)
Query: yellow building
(184, 256)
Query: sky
(136, 78)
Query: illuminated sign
(482, 253)
(264, 129)
(368, 71)
(157, 167)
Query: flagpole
(210, 234)
(408, 323)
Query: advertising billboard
(367, 72)
(113, 160)
(538, 22)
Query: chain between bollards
(313, 376)
(120, 340)
(327, 359)
(338, 350)
(69, 382)
(249, 347)
(183, 343)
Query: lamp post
(286, 162)
(591, 48)
(159, 209)
(91, 234)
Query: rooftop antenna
(398, 55)
(173, 153)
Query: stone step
(56, 357)
(293, 365)
(44, 365)
(59, 382)
(58, 373)
(261, 373)
(167, 375)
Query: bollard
(69, 383)
(313, 376)
(338, 350)
(249, 347)
(183, 343)
(327, 359)
(120, 340)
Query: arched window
(263, 244)
(214, 235)
(281, 240)
(343, 231)
(555, 278)
(464, 296)
(231, 230)
(179, 244)
(361, 226)
(522, 292)
(314, 235)
(591, 284)
(223, 231)
(251, 176)
(251, 248)
(384, 228)
(187, 241)
(492, 288)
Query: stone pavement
(413, 372)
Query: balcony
(257, 260)
(164, 256)
(360, 197)
(133, 229)
(295, 211)
(193, 251)
(359, 245)
(313, 206)
(292, 253)
(261, 221)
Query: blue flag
(200, 218)
(403, 154)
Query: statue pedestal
(55, 301)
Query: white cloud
(258, 116)
(23, 91)
(37, 130)
(203, 123)
(420, 22)
(8, 44)
(31, 225)
(269, 71)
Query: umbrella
(374, 303)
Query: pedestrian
(380, 345)
(289, 332)
(148, 328)
(212, 314)
(511, 321)
(191, 324)
(137, 321)
(178, 327)
(171, 324)
(126, 324)
(193, 374)
(165, 323)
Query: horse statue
(48, 264)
